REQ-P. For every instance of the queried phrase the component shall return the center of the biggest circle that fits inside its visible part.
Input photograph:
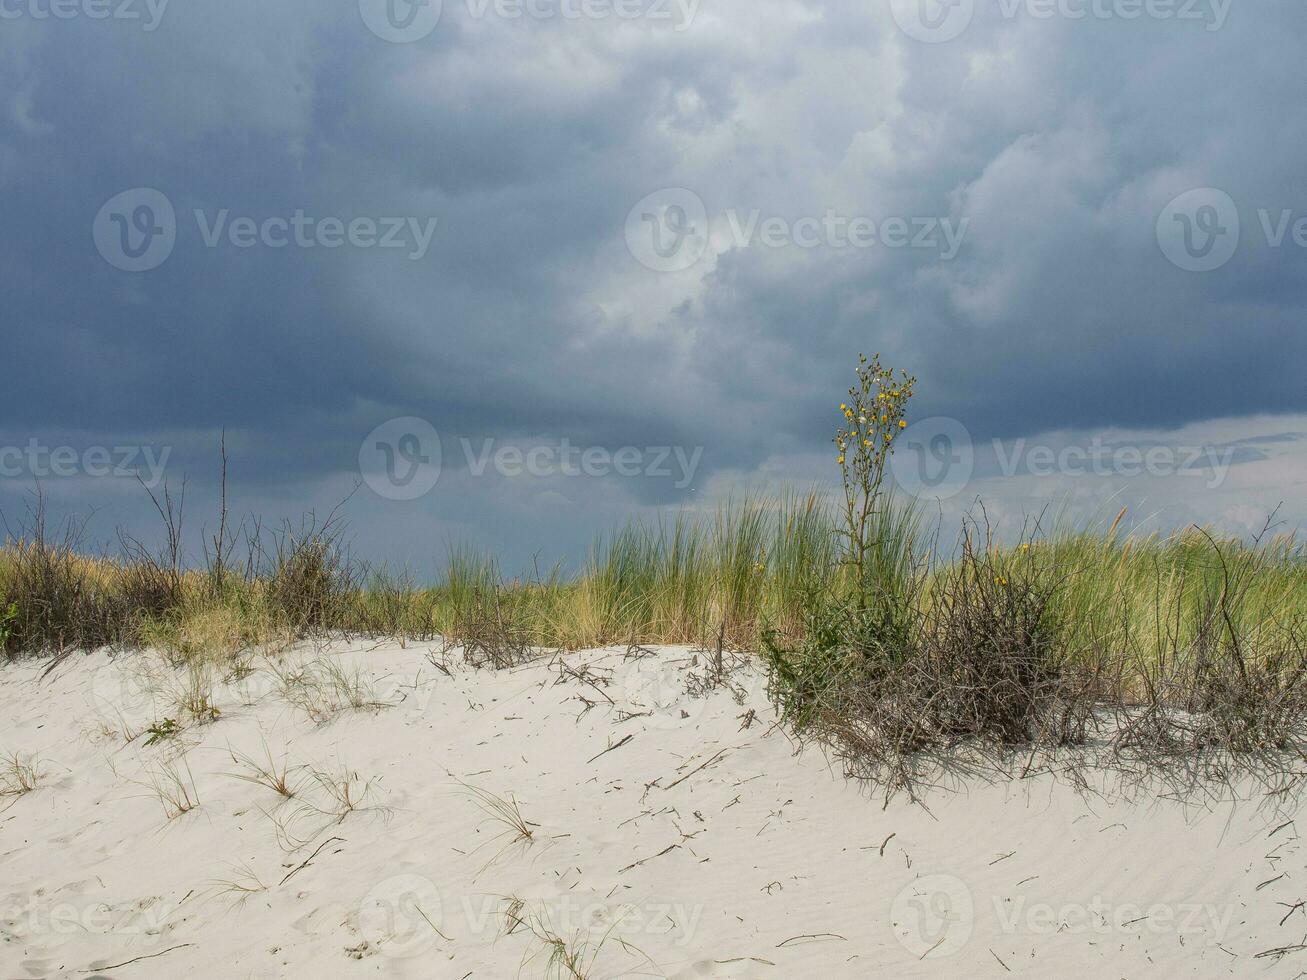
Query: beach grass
(884, 638)
(1192, 642)
(750, 567)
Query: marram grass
(748, 567)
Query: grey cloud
(528, 319)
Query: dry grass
(324, 688)
(503, 812)
(173, 784)
(296, 582)
(19, 775)
(556, 956)
(241, 885)
(280, 777)
(743, 567)
(491, 631)
(323, 799)
(190, 694)
(60, 599)
(344, 791)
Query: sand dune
(670, 836)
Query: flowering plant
(875, 413)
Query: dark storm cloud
(1057, 141)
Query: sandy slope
(711, 848)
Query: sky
(507, 273)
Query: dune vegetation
(883, 636)
(751, 568)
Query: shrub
(997, 664)
(8, 614)
(313, 578)
(58, 598)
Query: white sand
(762, 863)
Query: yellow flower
(1000, 580)
(902, 424)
